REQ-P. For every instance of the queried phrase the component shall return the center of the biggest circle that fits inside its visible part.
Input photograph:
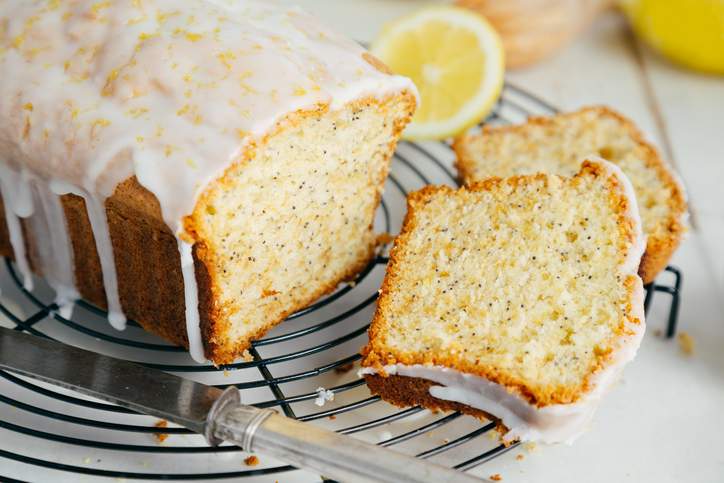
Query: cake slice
(513, 298)
(556, 145)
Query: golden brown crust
(377, 355)
(659, 248)
(403, 391)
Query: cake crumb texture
(556, 144)
(521, 281)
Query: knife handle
(310, 447)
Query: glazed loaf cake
(556, 144)
(203, 167)
(513, 298)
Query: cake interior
(518, 281)
(558, 144)
(296, 219)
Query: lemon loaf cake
(556, 145)
(204, 167)
(513, 298)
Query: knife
(217, 414)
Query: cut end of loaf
(556, 144)
(294, 219)
(528, 282)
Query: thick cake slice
(557, 144)
(513, 298)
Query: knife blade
(218, 415)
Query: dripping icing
(18, 203)
(54, 247)
(98, 218)
(191, 301)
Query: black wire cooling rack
(54, 435)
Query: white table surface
(666, 419)
(664, 422)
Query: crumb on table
(530, 446)
(251, 460)
(161, 437)
(686, 343)
(520, 457)
(496, 477)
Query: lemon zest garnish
(18, 41)
(96, 8)
(108, 88)
(143, 36)
(137, 112)
(161, 17)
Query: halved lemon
(455, 57)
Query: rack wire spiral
(54, 434)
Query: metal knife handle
(310, 447)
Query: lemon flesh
(455, 58)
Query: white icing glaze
(18, 203)
(191, 299)
(53, 246)
(101, 234)
(171, 92)
(559, 423)
(174, 92)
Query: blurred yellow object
(456, 60)
(690, 32)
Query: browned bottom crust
(403, 391)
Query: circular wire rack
(54, 434)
